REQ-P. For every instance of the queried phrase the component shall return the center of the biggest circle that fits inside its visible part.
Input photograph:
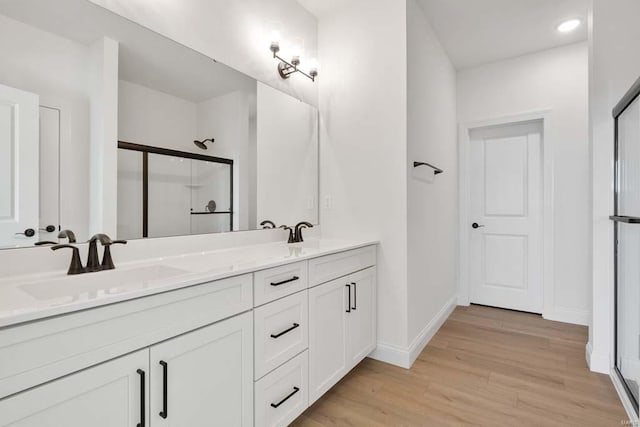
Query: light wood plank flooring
(486, 367)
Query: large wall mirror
(106, 126)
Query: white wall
(363, 137)
(614, 66)
(432, 200)
(236, 33)
(553, 80)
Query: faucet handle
(76, 264)
(107, 261)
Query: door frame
(464, 189)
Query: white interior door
(506, 216)
(19, 163)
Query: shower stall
(163, 192)
(626, 220)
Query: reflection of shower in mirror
(202, 144)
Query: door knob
(29, 232)
(476, 225)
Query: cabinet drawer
(281, 331)
(283, 395)
(327, 268)
(37, 352)
(278, 282)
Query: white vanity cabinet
(254, 349)
(204, 377)
(111, 394)
(342, 318)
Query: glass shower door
(627, 248)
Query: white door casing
(506, 251)
(19, 161)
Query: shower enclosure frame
(632, 94)
(148, 149)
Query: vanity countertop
(34, 297)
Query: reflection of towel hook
(436, 170)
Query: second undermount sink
(110, 282)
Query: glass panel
(169, 196)
(628, 315)
(629, 161)
(211, 207)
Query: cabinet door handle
(142, 398)
(355, 296)
(295, 325)
(349, 302)
(295, 390)
(165, 370)
(293, 279)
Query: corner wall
(363, 137)
(432, 201)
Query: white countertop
(34, 297)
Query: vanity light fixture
(568, 26)
(287, 68)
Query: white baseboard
(569, 315)
(404, 357)
(624, 398)
(597, 361)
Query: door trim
(464, 186)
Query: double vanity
(236, 337)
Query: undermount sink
(110, 282)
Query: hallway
(485, 366)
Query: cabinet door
(107, 395)
(361, 321)
(327, 336)
(205, 377)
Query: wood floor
(486, 367)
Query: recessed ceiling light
(568, 26)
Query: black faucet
(76, 263)
(297, 237)
(265, 224)
(93, 263)
(67, 234)
(291, 237)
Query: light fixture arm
(286, 68)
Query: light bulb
(275, 41)
(297, 48)
(569, 25)
(313, 66)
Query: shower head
(202, 144)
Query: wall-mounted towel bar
(436, 170)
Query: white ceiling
(475, 32)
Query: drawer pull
(355, 296)
(295, 390)
(165, 410)
(293, 279)
(142, 398)
(295, 325)
(349, 302)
